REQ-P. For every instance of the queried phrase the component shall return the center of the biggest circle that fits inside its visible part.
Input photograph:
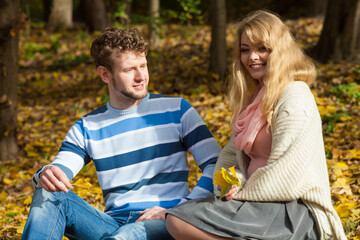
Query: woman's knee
(174, 225)
(180, 229)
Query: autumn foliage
(58, 84)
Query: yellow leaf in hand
(231, 179)
(232, 170)
(219, 180)
(224, 179)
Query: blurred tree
(340, 36)
(295, 8)
(153, 26)
(123, 11)
(9, 40)
(218, 38)
(316, 7)
(94, 14)
(46, 9)
(234, 10)
(60, 15)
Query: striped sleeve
(202, 145)
(73, 156)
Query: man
(138, 142)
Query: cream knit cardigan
(297, 166)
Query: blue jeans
(53, 215)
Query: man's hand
(153, 213)
(53, 179)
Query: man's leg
(144, 230)
(54, 214)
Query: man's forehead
(118, 53)
(128, 59)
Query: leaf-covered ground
(58, 84)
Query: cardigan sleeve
(297, 137)
(229, 157)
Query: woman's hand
(231, 193)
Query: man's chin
(138, 96)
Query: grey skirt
(249, 220)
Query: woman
(276, 147)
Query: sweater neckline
(130, 110)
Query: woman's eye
(244, 50)
(262, 49)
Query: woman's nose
(254, 55)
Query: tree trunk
(340, 37)
(47, 9)
(218, 38)
(60, 15)
(94, 12)
(126, 7)
(316, 8)
(9, 40)
(282, 6)
(153, 28)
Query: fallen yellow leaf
(3, 196)
(7, 181)
(340, 165)
(28, 200)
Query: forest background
(56, 82)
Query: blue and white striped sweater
(140, 153)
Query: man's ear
(104, 74)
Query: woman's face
(253, 58)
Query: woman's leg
(180, 229)
(147, 229)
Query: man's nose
(139, 75)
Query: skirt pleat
(249, 220)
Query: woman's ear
(104, 74)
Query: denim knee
(41, 195)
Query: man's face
(129, 79)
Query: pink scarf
(249, 122)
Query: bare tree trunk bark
(218, 38)
(316, 7)
(60, 14)
(9, 40)
(127, 11)
(340, 37)
(95, 14)
(153, 28)
(47, 9)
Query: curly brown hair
(116, 38)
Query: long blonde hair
(286, 62)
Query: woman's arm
(229, 157)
